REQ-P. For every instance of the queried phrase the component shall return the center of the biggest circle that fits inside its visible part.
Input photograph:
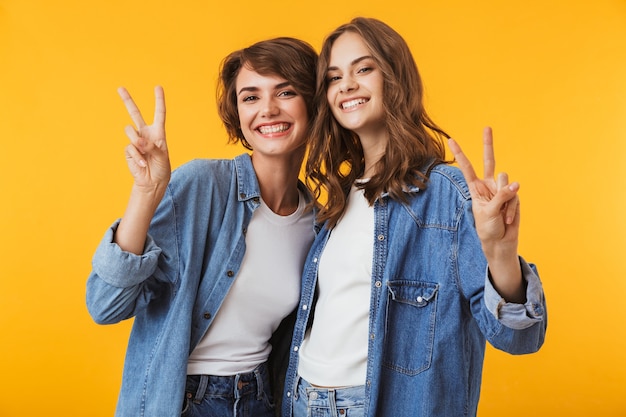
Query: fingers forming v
(159, 108)
(489, 159)
(464, 164)
(132, 108)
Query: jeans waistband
(342, 396)
(236, 385)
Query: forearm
(133, 228)
(506, 273)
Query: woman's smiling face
(355, 86)
(272, 115)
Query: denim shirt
(432, 306)
(173, 290)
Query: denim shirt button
(207, 315)
(314, 260)
(313, 395)
(420, 299)
(378, 284)
(242, 195)
(288, 393)
(295, 348)
(381, 237)
(230, 274)
(304, 307)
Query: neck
(278, 181)
(374, 147)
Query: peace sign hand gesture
(496, 209)
(149, 163)
(147, 155)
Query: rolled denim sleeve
(120, 268)
(513, 315)
(116, 286)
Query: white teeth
(352, 103)
(277, 128)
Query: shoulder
(201, 175)
(203, 170)
(203, 167)
(447, 178)
(439, 204)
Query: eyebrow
(254, 89)
(353, 63)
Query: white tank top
(334, 350)
(266, 289)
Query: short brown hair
(290, 58)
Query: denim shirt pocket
(410, 326)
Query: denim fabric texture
(242, 395)
(432, 306)
(173, 290)
(312, 401)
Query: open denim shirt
(194, 250)
(432, 306)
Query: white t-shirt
(334, 350)
(266, 289)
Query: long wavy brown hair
(415, 143)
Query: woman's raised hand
(149, 163)
(147, 155)
(495, 202)
(496, 209)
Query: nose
(348, 83)
(269, 108)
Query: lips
(274, 128)
(352, 104)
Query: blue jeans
(241, 395)
(311, 401)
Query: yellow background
(549, 76)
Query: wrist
(148, 195)
(506, 277)
(500, 250)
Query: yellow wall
(549, 76)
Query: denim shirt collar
(247, 183)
